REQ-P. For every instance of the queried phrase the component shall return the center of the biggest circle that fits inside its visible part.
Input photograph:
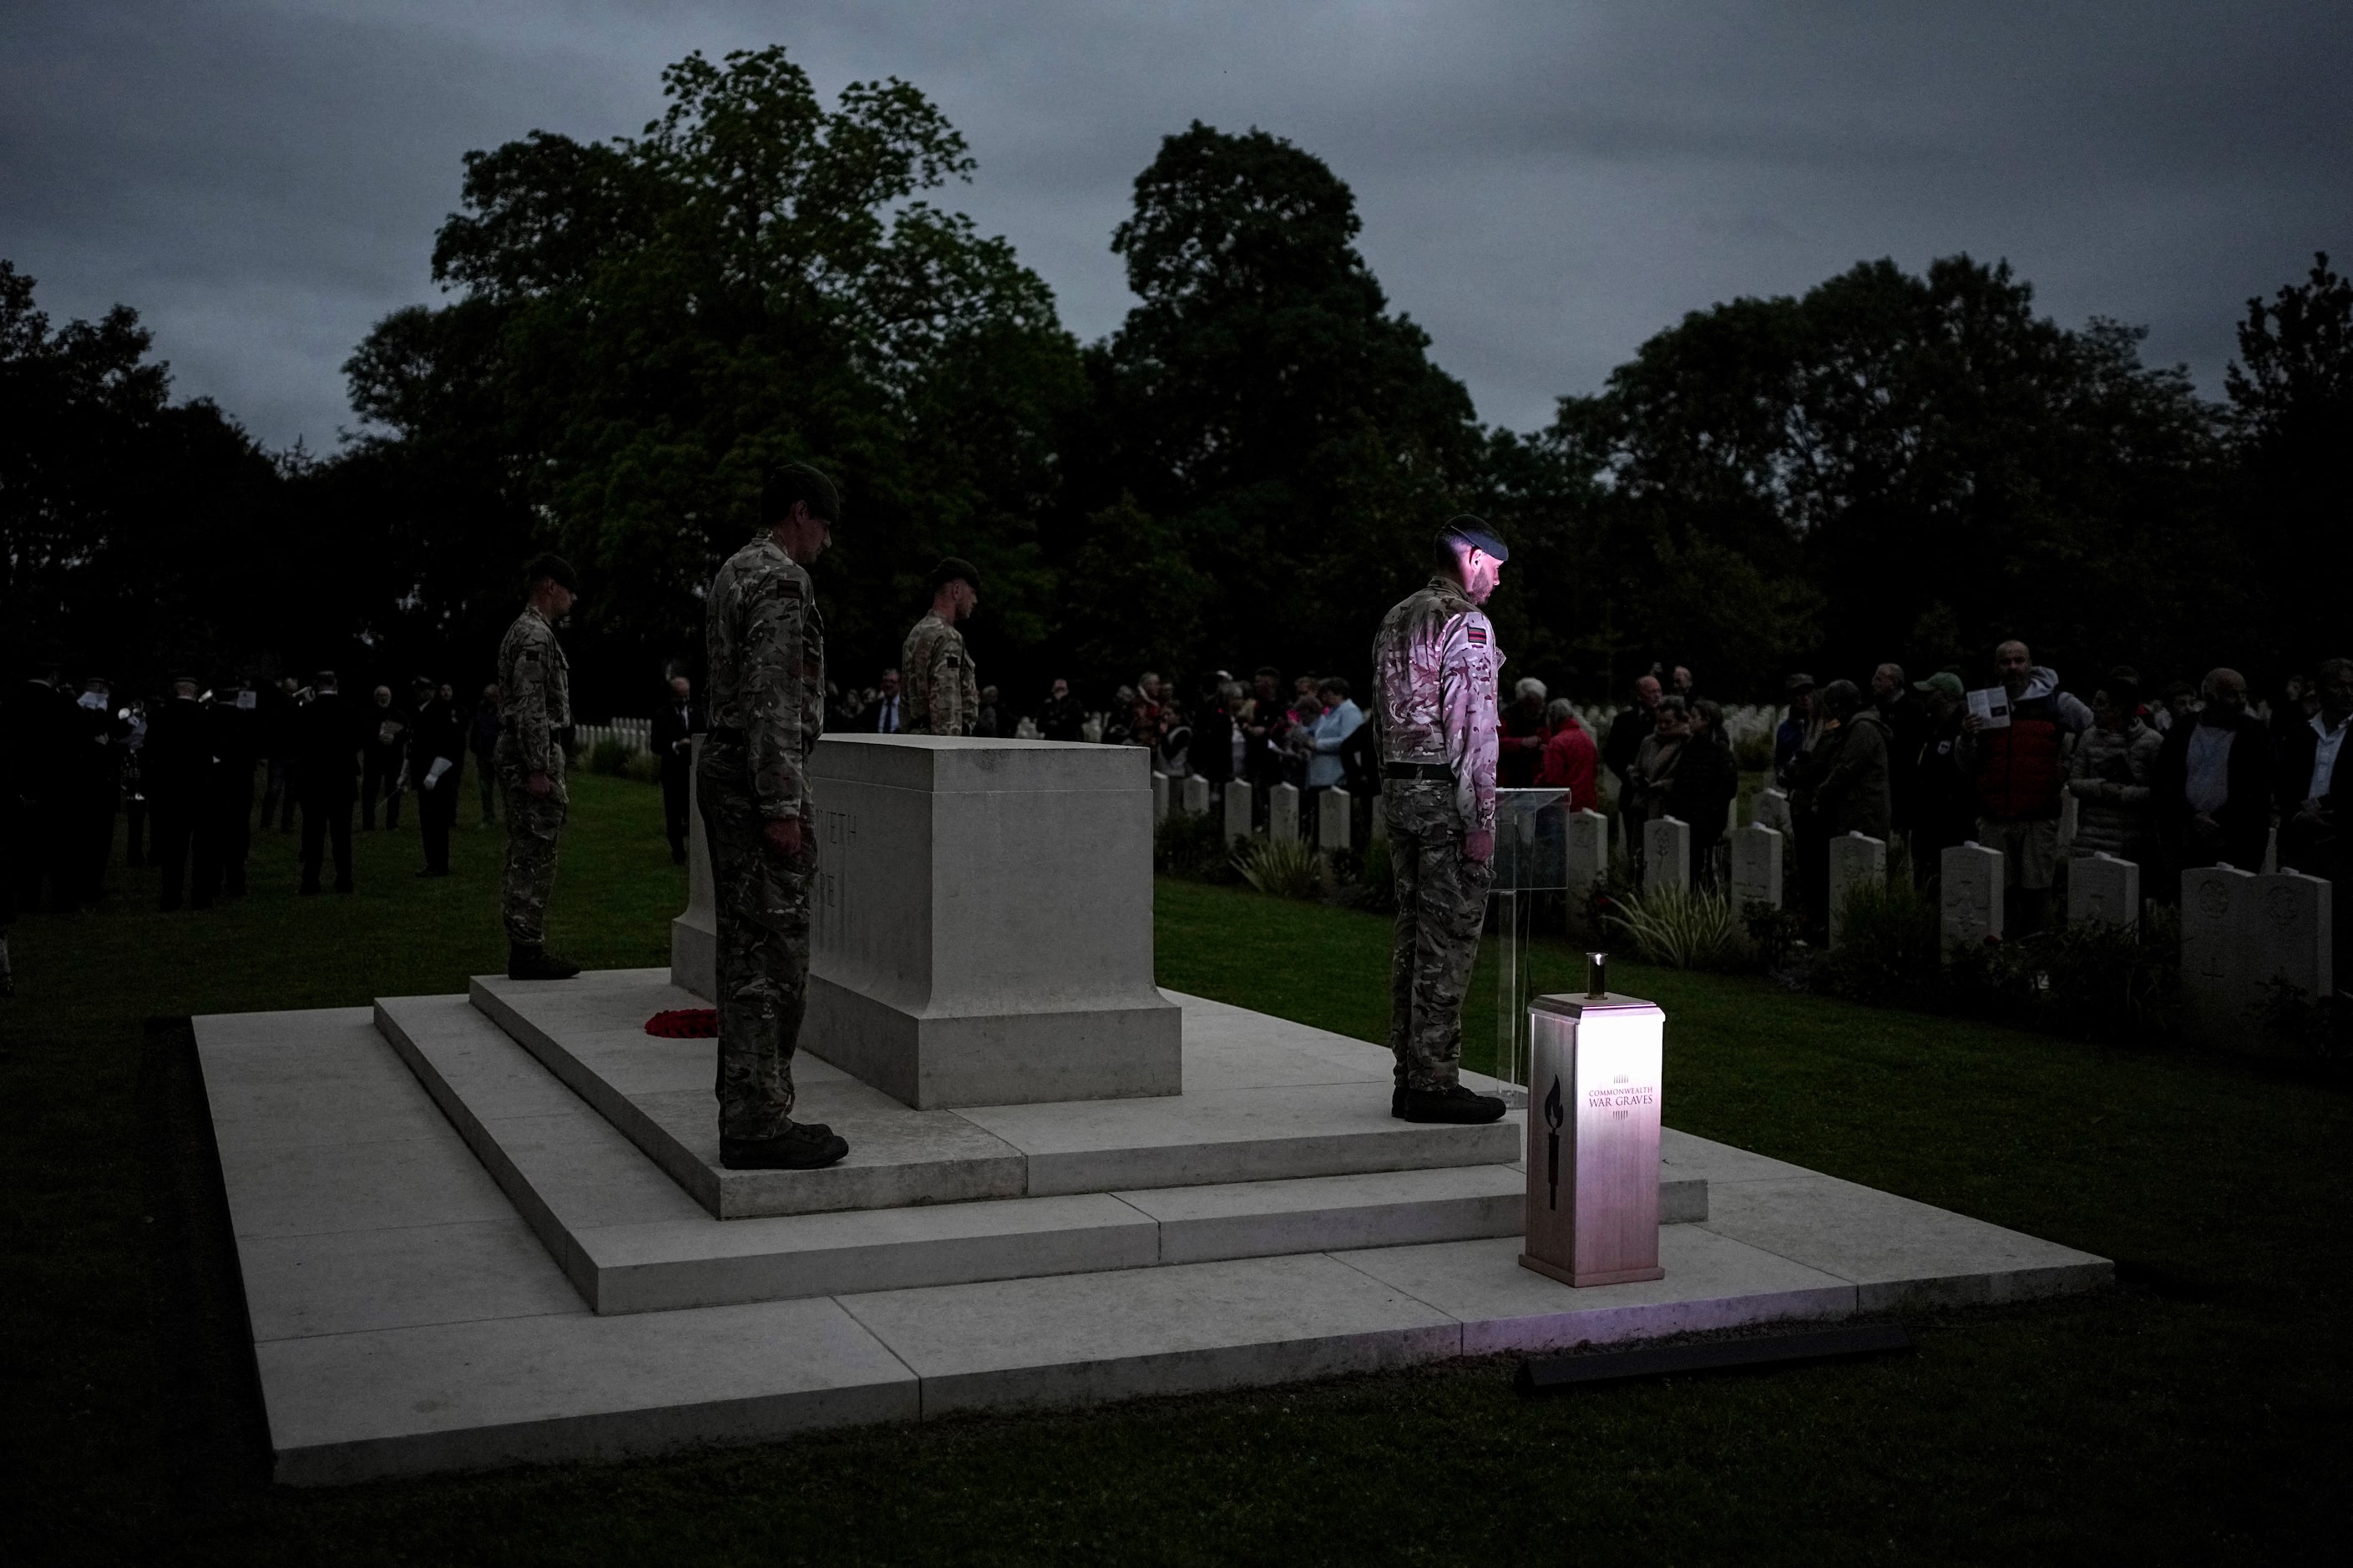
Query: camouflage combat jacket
(766, 644)
(943, 696)
(1435, 664)
(534, 691)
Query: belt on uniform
(1438, 771)
(725, 734)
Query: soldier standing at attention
(1434, 671)
(536, 688)
(767, 710)
(941, 697)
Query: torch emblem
(1552, 1117)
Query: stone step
(1264, 1100)
(405, 1321)
(631, 1240)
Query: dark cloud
(1543, 186)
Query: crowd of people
(179, 772)
(2196, 777)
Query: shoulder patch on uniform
(1478, 635)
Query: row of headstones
(1191, 796)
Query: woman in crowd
(1701, 793)
(2110, 776)
(1570, 761)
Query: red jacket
(2021, 768)
(1569, 762)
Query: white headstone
(1857, 859)
(1282, 813)
(2102, 887)
(1969, 879)
(1194, 799)
(1159, 795)
(1237, 809)
(1666, 853)
(1335, 828)
(2287, 934)
(2216, 1002)
(1755, 866)
(1587, 834)
(1771, 809)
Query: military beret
(1471, 530)
(555, 569)
(954, 570)
(786, 483)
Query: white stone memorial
(2288, 935)
(1237, 810)
(1195, 796)
(1857, 860)
(1282, 813)
(1593, 1139)
(1755, 866)
(2100, 887)
(1588, 836)
(982, 930)
(1334, 826)
(1969, 881)
(2218, 1004)
(1771, 809)
(1666, 854)
(1159, 799)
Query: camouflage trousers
(1442, 906)
(534, 823)
(763, 905)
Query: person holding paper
(2019, 759)
(436, 766)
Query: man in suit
(884, 716)
(2312, 834)
(676, 725)
(436, 770)
(177, 768)
(328, 739)
(2215, 782)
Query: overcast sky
(1542, 185)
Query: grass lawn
(2202, 1408)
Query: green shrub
(642, 766)
(1754, 753)
(609, 757)
(1376, 879)
(1680, 928)
(1286, 868)
(1891, 947)
(2088, 982)
(1194, 847)
(1772, 932)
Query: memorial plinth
(1593, 1139)
(982, 928)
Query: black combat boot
(535, 962)
(798, 1148)
(1453, 1103)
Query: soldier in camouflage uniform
(942, 698)
(767, 708)
(1434, 674)
(536, 723)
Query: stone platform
(484, 1231)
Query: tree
(1906, 466)
(135, 533)
(644, 325)
(1262, 404)
(2290, 393)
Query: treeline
(1893, 465)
